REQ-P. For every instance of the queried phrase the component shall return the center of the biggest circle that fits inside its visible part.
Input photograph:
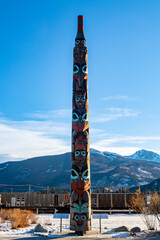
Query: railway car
(50, 200)
(110, 200)
(34, 200)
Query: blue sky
(36, 46)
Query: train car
(110, 200)
(34, 200)
(61, 200)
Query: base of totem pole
(79, 233)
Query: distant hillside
(151, 187)
(107, 169)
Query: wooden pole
(60, 224)
(100, 223)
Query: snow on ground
(114, 221)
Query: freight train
(50, 200)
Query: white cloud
(24, 139)
(45, 127)
(124, 145)
(120, 97)
(8, 157)
(129, 139)
(54, 114)
(124, 151)
(114, 114)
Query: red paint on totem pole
(80, 189)
(80, 27)
(80, 222)
(80, 126)
(80, 17)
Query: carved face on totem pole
(79, 100)
(80, 211)
(80, 184)
(80, 75)
(80, 120)
(80, 179)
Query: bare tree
(155, 205)
(148, 212)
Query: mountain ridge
(107, 169)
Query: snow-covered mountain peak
(145, 155)
(105, 154)
(92, 150)
(111, 154)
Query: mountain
(145, 155)
(151, 187)
(107, 169)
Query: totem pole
(80, 210)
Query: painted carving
(80, 211)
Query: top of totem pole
(80, 29)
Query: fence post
(125, 200)
(60, 224)
(100, 223)
(111, 200)
(110, 211)
(97, 201)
